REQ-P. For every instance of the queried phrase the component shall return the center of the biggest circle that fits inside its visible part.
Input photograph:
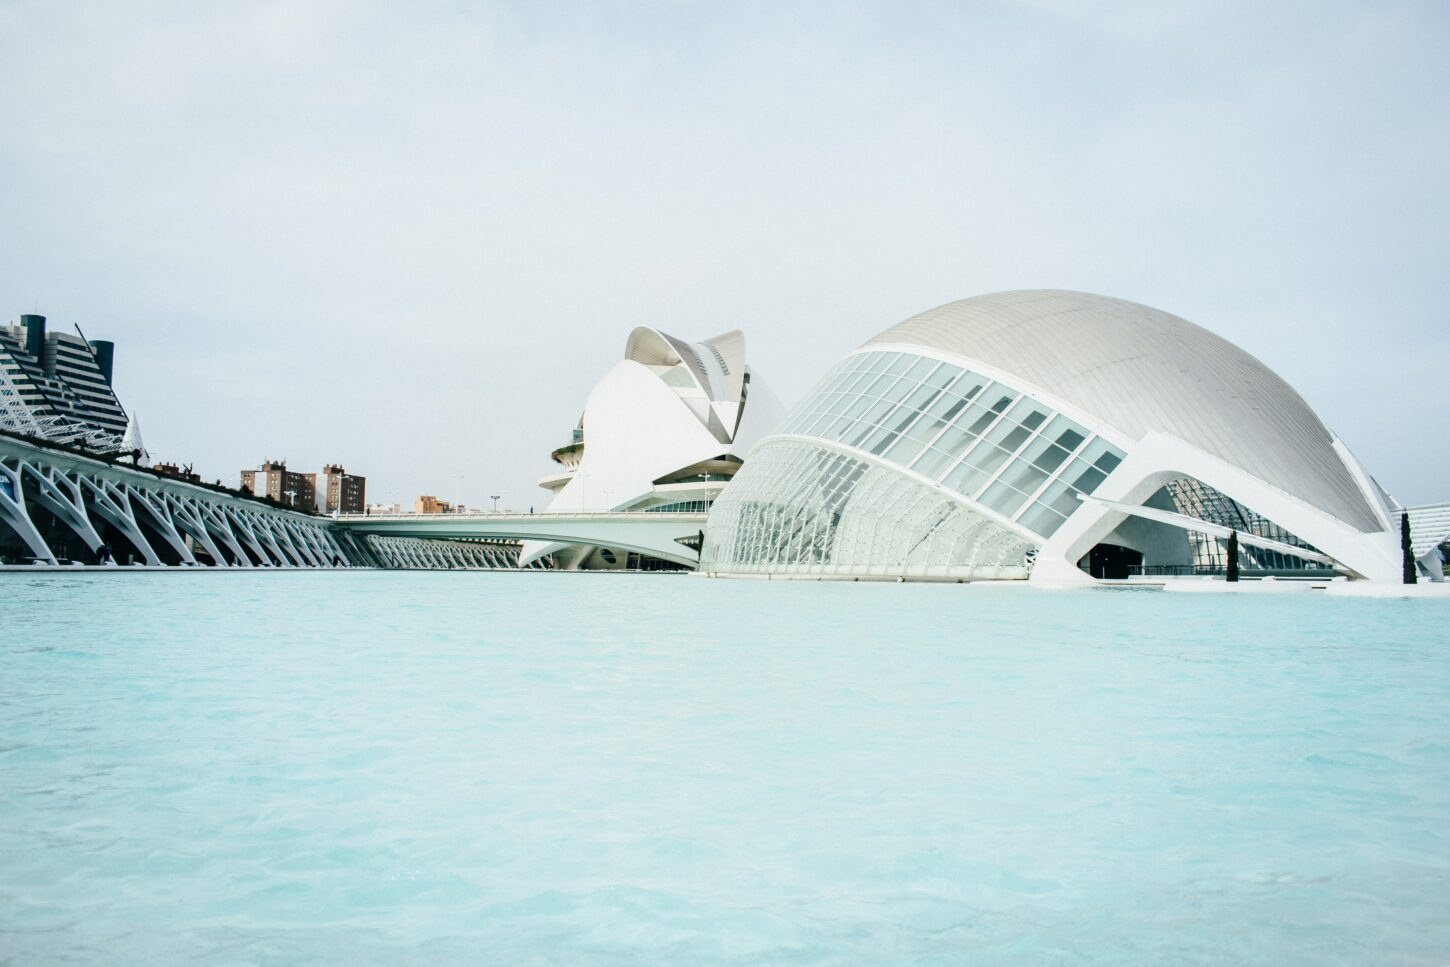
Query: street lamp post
(494, 498)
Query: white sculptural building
(664, 430)
(1054, 435)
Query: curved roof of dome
(1139, 369)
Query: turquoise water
(581, 769)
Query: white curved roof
(717, 364)
(1140, 369)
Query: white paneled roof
(1140, 369)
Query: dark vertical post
(1412, 576)
(1233, 556)
(34, 335)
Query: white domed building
(1054, 435)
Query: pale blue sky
(409, 237)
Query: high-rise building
(58, 386)
(273, 479)
(334, 490)
(339, 491)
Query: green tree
(1407, 551)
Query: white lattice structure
(65, 507)
(410, 553)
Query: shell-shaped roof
(1139, 369)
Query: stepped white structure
(662, 431)
(1057, 435)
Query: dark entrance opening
(1112, 562)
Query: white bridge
(669, 536)
(60, 506)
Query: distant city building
(273, 479)
(334, 490)
(340, 492)
(58, 386)
(428, 505)
(385, 508)
(180, 473)
(432, 505)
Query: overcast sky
(410, 237)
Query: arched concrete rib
(14, 513)
(163, 525)
(187, 517)
(115, 509)
(62, 496)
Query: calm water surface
(582, 769)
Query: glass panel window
(955, 440)
(967, 479)
(858, 433)
(901, 363)
(969, 385)
(1028, 412)
(922, 396)
(898, 392)
(1008, 435)
(1085, 479)
(944, 375)
(1102, 454)
(815, 423)
(881, 362)
(880, 382)
(879, 440)
(933, 462)
(905, 450)
(1003, 499)
(1065, 433)
(979, 466)
(1061, 498)
(1024, 476)
(997, 398)
(833, 428)
(1108, 462)
(857, 382)
(1044, 454)
(946, 407)
(921, 369)
(877, 412)
(1042, 519)
(976, 419)
(857, 407)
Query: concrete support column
(115, 509)
(62, 496)
(264, 536)
(241, 525)
(155, 508)
(13, 512)
(187, 516)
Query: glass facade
(979, 438)
(1195, 498)
(799, 508)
